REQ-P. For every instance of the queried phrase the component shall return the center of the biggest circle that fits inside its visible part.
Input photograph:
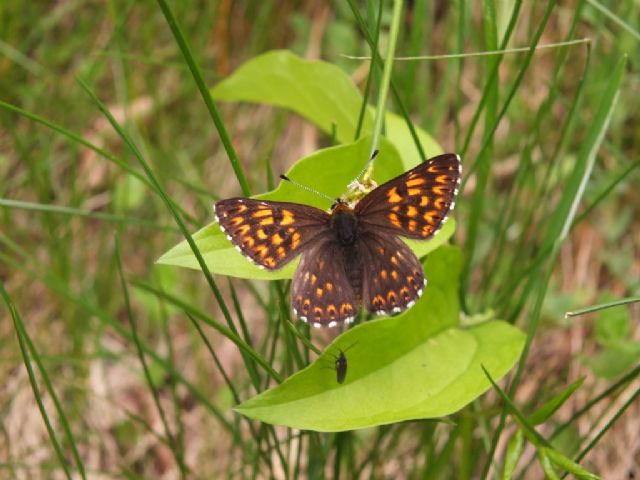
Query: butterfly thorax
(344, 224)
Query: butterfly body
(350, 255)
(344, 224)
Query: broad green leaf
(417, 365)
(320, 92)
(329, 171)
(543, 413)
(316, 90)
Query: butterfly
(353, 254)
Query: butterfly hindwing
(416, 203)
(321, 293)
(270, 233)
(393, 276)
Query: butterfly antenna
(308, 189)
(374, 154)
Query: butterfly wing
(270, 233)
(321, 293)
(416, 203)
(393, 278)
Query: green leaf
(543, 413)
(612, 324)
(398, 133)
(416, 365)
(316, 90)
(129, 193)
(328, 170)
(320, 92)
(567, 464)
(614, 359)
(547, 468)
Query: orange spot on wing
(424, 201)
(237, 221)
(443, 179)
(412, 225)
(392, 298)
(394, 274)
(378, 301)
(414, 182)
(295, 240)
(394, 220)
(384, 274)
(404, 293)
(281, 252)
(392, 195)
(267, 221)
(313, 279)
(287, 217)
(317, 311)
(394, 260)
(319, 292)
(414, 191)
(267, 212)
(243, 230)
(248, 242)
(346, 309)
(261, 235)
(412, 211)
(430, 217)
(262, 250)
(332, 311)
(276, 239)
(439, 190)
(269, 262)
(329, 286)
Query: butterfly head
(339, 204)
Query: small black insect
(340, 364)
(341, 367)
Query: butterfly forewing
(393, 276)
(321, 293)
(416, 203)
(270, 233)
